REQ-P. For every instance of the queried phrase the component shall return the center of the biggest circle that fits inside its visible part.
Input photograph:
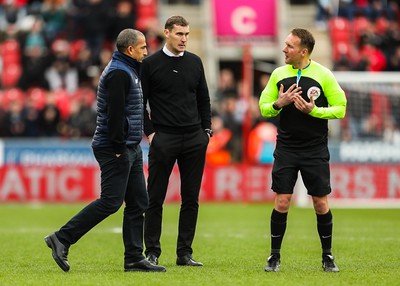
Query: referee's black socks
(325, 226)
(278, 228)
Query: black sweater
(177, 93)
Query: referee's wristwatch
(209, 132)
(275, 106)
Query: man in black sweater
(178, 126)
(116, 146)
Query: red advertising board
(20, 183)
(237, 183)
(366, 181)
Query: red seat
(85, 95)
(38, 95)
(9, 46)
(62, 101)
(340, 29)
(2, 99)
(16, 3)
(75, 48)
(11, 74)
(12, 95)
(360, 25)
(381, 26)
(10, 52)
(376, 58)
(146, 11)
(341, 50)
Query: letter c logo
(243, 20)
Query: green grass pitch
(231, 240)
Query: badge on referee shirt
(313, 91)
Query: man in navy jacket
(116, 148)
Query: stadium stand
(36, 35)
(54, 50)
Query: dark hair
(175, 20)
(126, 38)
(306, 38)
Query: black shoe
(144, 266)
(187, 260)
(328, 264)
(152, 258)
(60, 252)
(273, 263)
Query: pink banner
(244, 18)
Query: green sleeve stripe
(270, 94)
(335, 96)
(332, 112)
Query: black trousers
(122, 179)
(189, 151)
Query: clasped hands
(293, 95)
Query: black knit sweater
(177, 93)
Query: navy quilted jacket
(133, 103)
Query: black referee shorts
(313, 166)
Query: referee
(305, 95)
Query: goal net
(365, 145)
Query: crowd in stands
(365, 34)
(51, 55)
(53, 51)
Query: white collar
(170, 54)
